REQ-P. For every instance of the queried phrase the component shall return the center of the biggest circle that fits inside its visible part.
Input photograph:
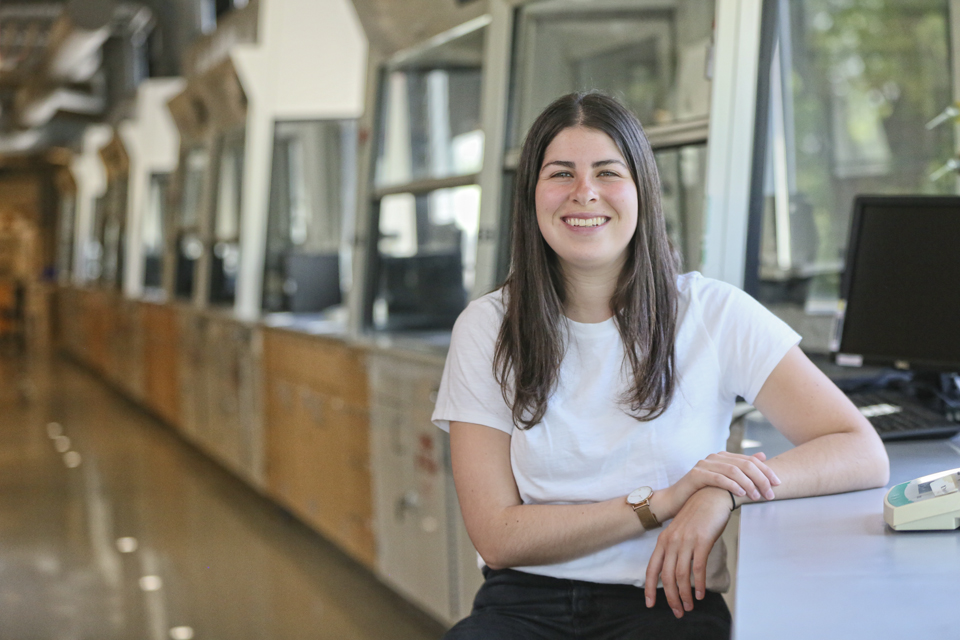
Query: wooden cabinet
(161, 373)
(221, 389)
(317, 435)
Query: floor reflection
(112, 527)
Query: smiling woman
(586, 202)
(589, 400)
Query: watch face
(639, 495)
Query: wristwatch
(639, 501)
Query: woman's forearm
(831, 463)
(529, 535)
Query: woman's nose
(584, 191)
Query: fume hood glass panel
(195, 169)
(683, 174)
(189, 244)
(430, 106)
(153, 237)
(656, 59)
(104, 252)
(851, 92)
(310, 220)
(427, 258)
(113, 249)
(93, 245)
(65, 237)
(226, 222)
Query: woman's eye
(561, 174)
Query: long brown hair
(532, 337)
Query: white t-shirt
(587, 448)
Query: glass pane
(226, 221)
(153, 230)
(93, 251)
(431, 114)
(427, 260)
(66, 237)
(195, 171)
(312, 203)
(852, 88)
(657, 59)
(683, 173)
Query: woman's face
(586, 201)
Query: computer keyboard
(896, 416)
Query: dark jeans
(515, 605)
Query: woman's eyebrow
(603, 163)
(572, 165)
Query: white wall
(91, 178)
(152, 142)
(309, 63)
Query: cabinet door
(281, 437)
(410, 494)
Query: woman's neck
(589, 294)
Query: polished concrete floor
(112, 527)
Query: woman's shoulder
(710, 298)
(695, 286)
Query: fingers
(653, 575)
(680, 556)
(699, 568)
(749, 472)
(682, 576)
(669, 574)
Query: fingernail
(755, 495)
(688, 606)
(699, 595)
(741, 492)
(649, 602)
(677, 613)
(776, 480)
(770, 495)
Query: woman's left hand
(683, 547)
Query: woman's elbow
(877, 467)
(493, 557)
(883, 468)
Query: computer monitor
(901, 287)
(422, 292)
(313, 281)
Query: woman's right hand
(738, 473)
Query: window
(113, 238)
(225, 234)
(312, 203)
(189, 245)
(154, 238)
(656, 59)
(65, 236)
(852, 87)
(683, 175)
(652, 58)
(426, 198)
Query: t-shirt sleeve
(469, 392)
(750, 341)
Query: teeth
(585, 222)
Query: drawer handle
(409, 501)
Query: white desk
(829, 567)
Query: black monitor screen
(902, 282)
